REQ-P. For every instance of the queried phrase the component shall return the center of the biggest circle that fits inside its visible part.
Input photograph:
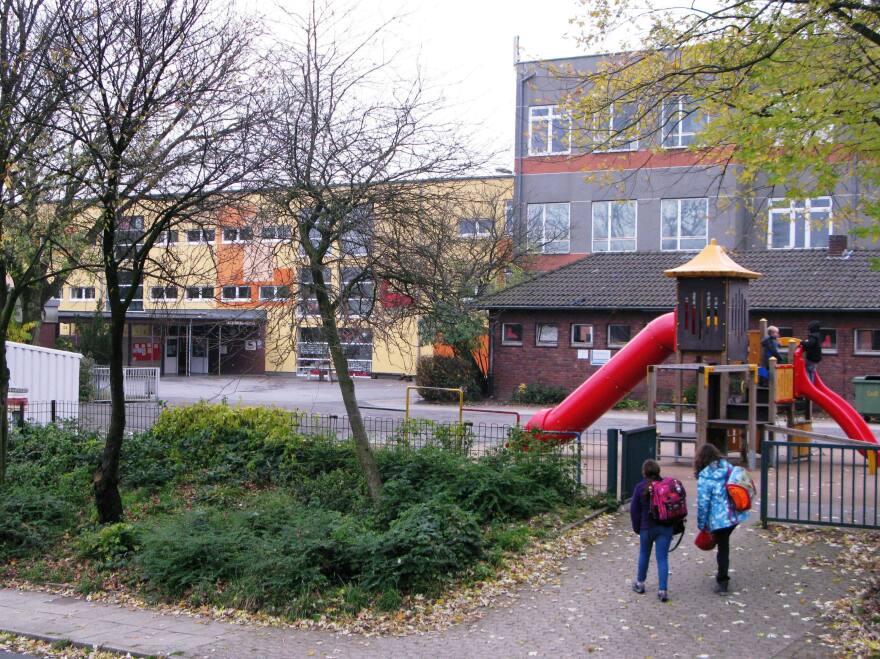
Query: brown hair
(651, 470)
(707, 454)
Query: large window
(619, 335)
(866, 341)
(235, 293)
(476, 228)
(680, 122)
(549, 130)
(684, 223)
(82, 292)
(361, 291)
(617, 128)
(799, 223)
(307, 291)
(549, 228)
(614, 226)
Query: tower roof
(712, 261)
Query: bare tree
(166, 127)
(351, 149)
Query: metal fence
(85, 416)
(825, 484)
(140, 384)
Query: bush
(538, 394)
(451, 372)
(31, 520)
(110, 545)
(427, 544)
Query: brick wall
(560, 367)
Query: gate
(639, 444)
(141, 384)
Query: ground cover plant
(242, 508)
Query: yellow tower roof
(712, 261)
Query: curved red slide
(843, 413)
(613, 381)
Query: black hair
(814, 326)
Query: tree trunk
(4, 406)
(32, 311)
(106, 479)
(346, 386)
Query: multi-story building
(238, 298)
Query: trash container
(867, 390)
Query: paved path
(589, 609)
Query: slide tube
(844, 414)
(612, 381)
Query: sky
(463, 49)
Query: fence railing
(820, 483)
(140, 384)
(85, 416)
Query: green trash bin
(867, 389)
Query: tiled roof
(792, 280)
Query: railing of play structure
(824, 483)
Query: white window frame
(237, 288)
(546, 344)
(553, 114)
(238, 239)
(544, 241)
(203, 237)
(163, 238)
(581, 344)
(834, 350)
(792, 212)
(635, 236)
(612, 344)
(482, 227)
(856, 350)
(607, 143)
(275, 297)
(164, 297)
(276, 228)
(673, 128)
(678, 236)
(505, 342)
(78, 293)
(201, 289)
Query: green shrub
(538, 394)
(31, 520)
(110, 545)
(450, 372)
(426, 545)
(144, 462)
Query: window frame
(613, 344)
(678, 236)
(580, 344)
(275, 297)
(200, 289)
(167, 238)
(545, 243)
(681, 113)
(792, 210)
(477, 233)
(237, 298)
(610, 147)
(609, 202)
(164, 297)
(553, 114)
(512, 342)
(826, 331)
(856, 350)
(238, 240)
(546, 344)
(203, 236)
(304, 304)
(278, 228)
(83, 289)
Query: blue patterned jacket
(714, 510)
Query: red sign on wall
(145, 351)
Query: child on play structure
(714, 511)
(813, 349)
(651, 532)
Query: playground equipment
(708, 335)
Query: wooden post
(701, 412)
(652, 396)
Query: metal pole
(579, 458)
(220, 348)
(52, 410)
(765, 470)
(611, 461)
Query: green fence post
(579, 458)
(611, 477)
(766, 452)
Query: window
(785, 331)
(275, 232)
(511, 334)
(313, 354)
(581, 335)
(275, 292)
(200, 292)
(549, 227)
(196, 236)
(614, 226)
(129, 229)
(829, 341)
(618, 335)
(163, 293)
(866, 341)
(361, 291)
(308, 292)
(356, 234)
(235, 293)
(137, 300)
(478, 228)
(799, 223)
(549, 130)
(680, 122)
(618, 129)
(547, 334)
(237, 235)
(167, 238)
(82, 292)
(684, 224)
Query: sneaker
(662, 595)
(721, 587)
(638, 587)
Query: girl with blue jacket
(715, 512)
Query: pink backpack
(668, 501)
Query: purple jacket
(640, 508)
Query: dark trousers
(722, 537)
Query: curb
(46, 638)
(589, 518)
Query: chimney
(836, 244)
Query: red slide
(613, 381)
(842, 412)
